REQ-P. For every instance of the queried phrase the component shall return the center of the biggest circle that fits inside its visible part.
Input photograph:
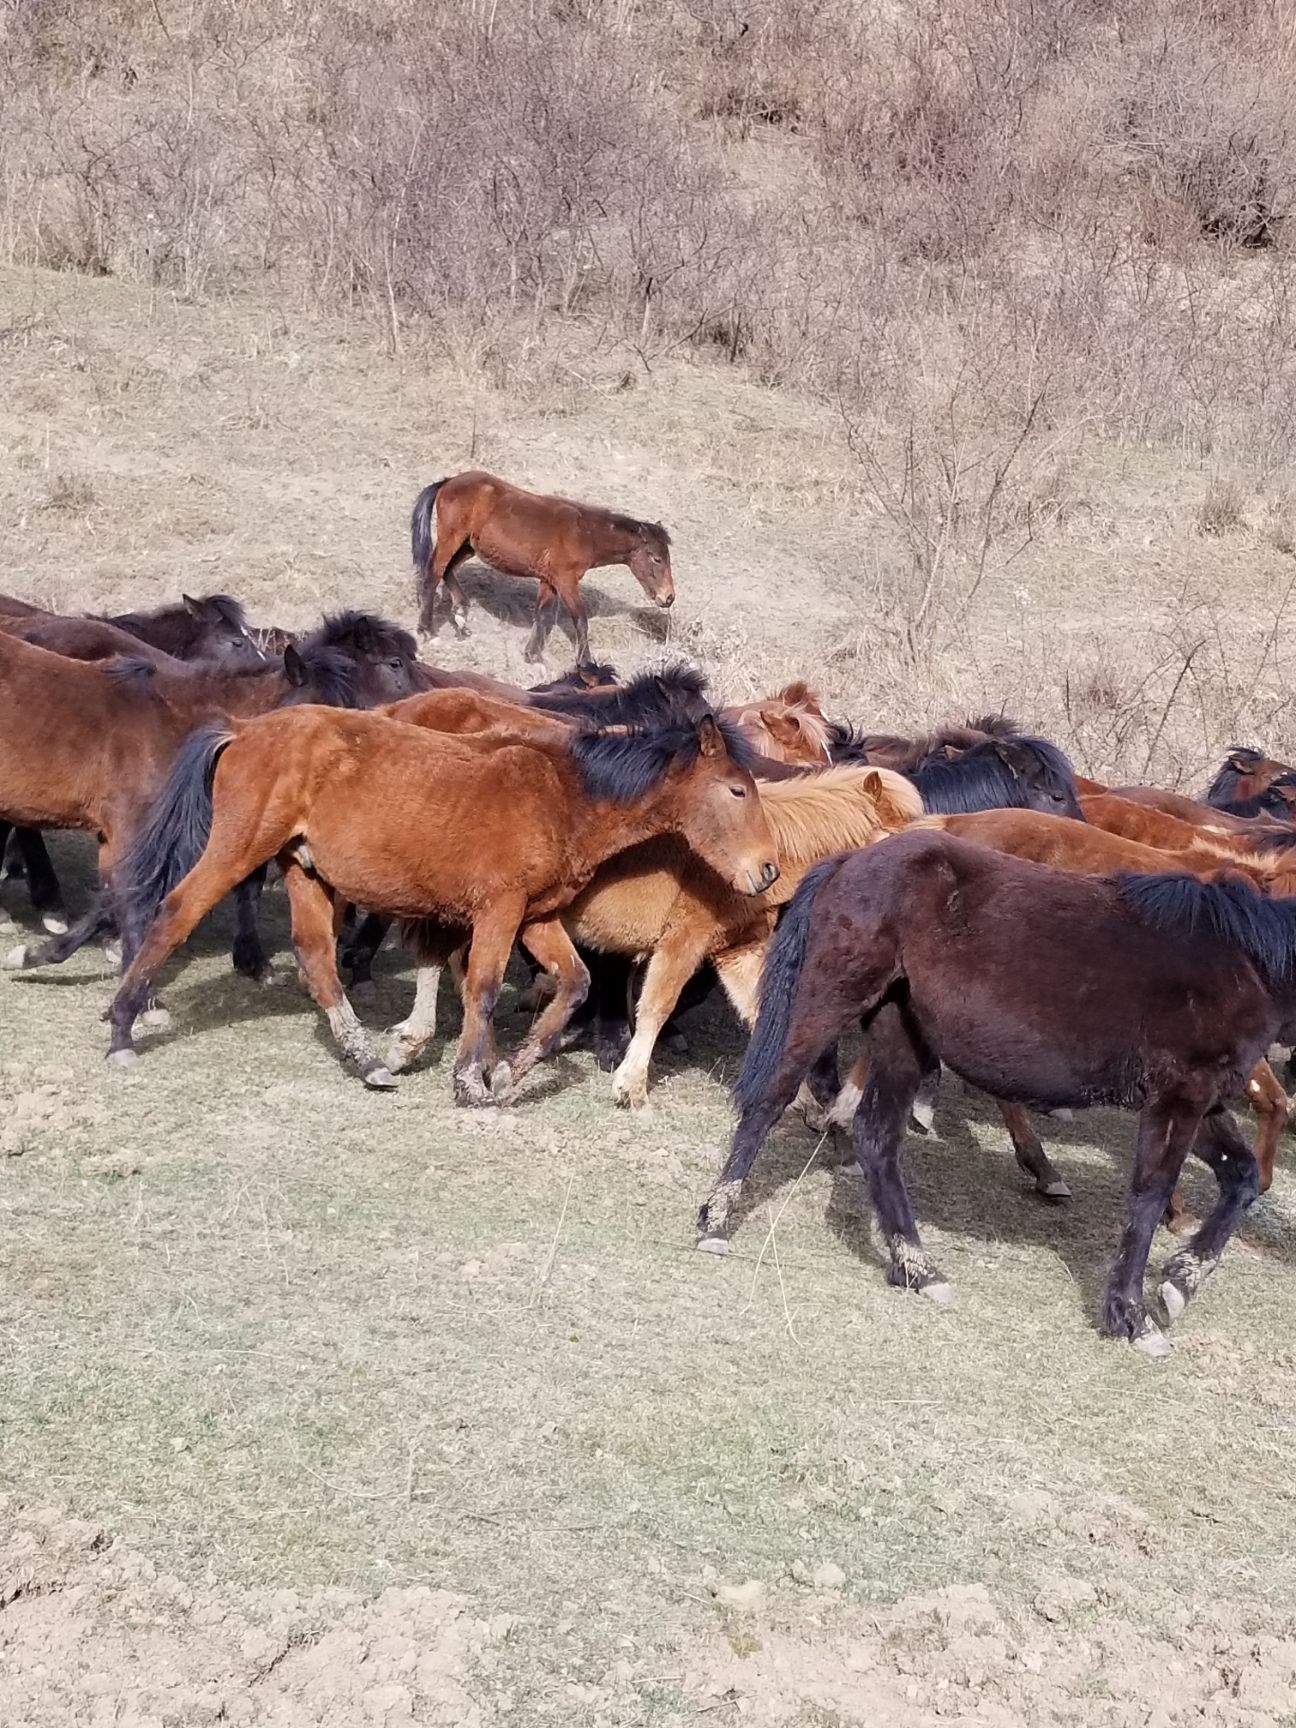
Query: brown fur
(495, 843)
(552, 540)
(788, 727)
(1150, 826)
(83, 638)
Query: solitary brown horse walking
(552, 540)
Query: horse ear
(194, 608)
(781, 725)
(362, 636)
(710, 737)
(872, 783)
(294, 667)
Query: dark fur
(645, 530)
(421, 536)
(363, 633)
(177, 629)
(1230, 910)
(847, 743)
(1270, 802)
(172, 837)
(580, 678)
(1002, 773)
(1240, 764)
(622, 767)
(674, 696)
(784, 959)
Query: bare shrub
(69, 495)
(1223, 509)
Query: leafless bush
(1223, 509)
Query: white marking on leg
(411, 1035)
(845, 1105)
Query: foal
(552, 540)
(1155, 993)
(489, 843)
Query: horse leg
(361, 947)
(1220, 1144)
(493, 935)
(1165, 1135)
(454, 588)
(444, 552)
(42, 883)
(897, 1062)
(546, 607)
(611, 976)
(569, 593)
(247, 955)
(546, 939)
(846, 1102)
(669, 969)
(1270, 1104)
(314, 939)
(1029, 1153)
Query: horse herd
(963, 898)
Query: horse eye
(396, 665)
(739, 791)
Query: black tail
(173, 836)
(421, 536)
(784, 960)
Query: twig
(553, 1246)
(769, 1235)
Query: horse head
(649, 560)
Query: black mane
(362, 633)
(621, 767)
(996, 775)
(633, 525)
(675, 695)
(1230, 911)
(1223, 788)
(1270, 802)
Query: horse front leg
(1220, 1144)
(1165, 1135)
(546, 607)
(1271, 1106)
(1029, 1152)
(42, 883)
(315, 920)
(493, 934)
(550, 944)
(669, 970)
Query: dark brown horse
(1154, 993)
(211, 629)
(88, 744)
(554, 541)
(1244, 775)
(492, 844)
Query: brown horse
(1152, 826)
(659, 899)
(1244, 775)
(211, 628)
(1081, 847)
(788, 727)
(554, 541)
(491, 843)
(1153, 993)
(88, 744)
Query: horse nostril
(769, 873)
(667, 600)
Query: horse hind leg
(1220, 1144)
(1029, 1152)
(42, 882)
(493, 935)
(1271, 1105)
(545, 612)
(247, 954)
(553, 948)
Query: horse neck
(208, 694)
(603, 827)
(612, 543)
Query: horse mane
(1268, 802)
(985, 778)
(1229, 910)
(330, 677)
(675, 695)
(849, 743)
(361, 633)
(135, 670)
(1240, 760)
(585, 677)
(836, 810)
(621, 765)
(633, 525)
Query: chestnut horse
(1153, 826)
(492, 844)
(1153, 993)
(788, 727)
(554, 541)
(659, 899)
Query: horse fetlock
(713, 1217)
(126, 1057)
(1150, 1340)
(470, 1086)
(630, 1086)
(910, 1269)
(844, 1106)
(1181, 1278)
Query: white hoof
(1151, 1341)
(123, 1058)
(942, 1293)
(157, 1016)
(55, 923)
(112, 952)
(713, 1245)
(1056, 1190)
(380, 1080)
(399, 1060)
(1174, 1299)
(16, 958)
(923, 1113)
(1061, 1114)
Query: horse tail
(421, 536)
(173, 835)
(784, 960)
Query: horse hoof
(123, 1058)
(54, 923)
(1056, 1190)
(112, 953)
(156, 1016)
(1175, 1301)
(1150, 1340)
(713, 1245)
(940, 1292)
(501, 1084)
(16, 958)
(7, 925)
(399, 1061)
(923, 1115)
(1061, 1114)
(380, 1079)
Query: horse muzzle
(757, 881)
(665, 601)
